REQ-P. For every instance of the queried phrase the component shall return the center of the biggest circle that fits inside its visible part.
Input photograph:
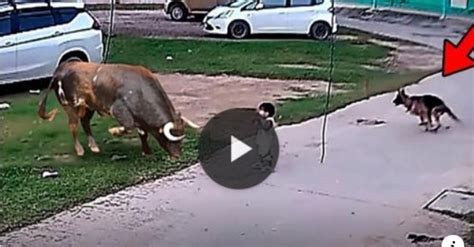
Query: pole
(374, 4)
(445, 9)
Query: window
(5, 24)
(251, 6)
(296, 3)
(40, 18)
(274, 3)
(63, 16)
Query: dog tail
(451, 114)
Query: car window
(251, 6)
(5, 24)
(296, 3)
(34, 19)
(274, 3)
(238, 3)
(63, 16)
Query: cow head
(172, 134)
(170, 137)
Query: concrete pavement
(369, 192)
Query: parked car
(179, 10)
(245, 17)
(36, 37)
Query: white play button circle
(237, 148)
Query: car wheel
(239, 30)
(320, 31)
(73, 59)
(178, 12)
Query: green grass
(26, 198)
(251, 58)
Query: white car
(245, 17)
(36, 37)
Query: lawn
(266, 59)
(28, 146)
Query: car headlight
(225, 14)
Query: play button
(237, 149)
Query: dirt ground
(200, 97)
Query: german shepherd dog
(425, 107)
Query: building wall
(434, 6)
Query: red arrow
(457, 58)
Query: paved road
(150, 23)
(369, 192)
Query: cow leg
(73, 123)
(86, 125)
(144, 139)
(125, 118)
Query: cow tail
(42, 105)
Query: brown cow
(130, 94)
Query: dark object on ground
(363, 121)
(422, 238)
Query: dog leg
(430, 121)
(422, 121)
(437, 114)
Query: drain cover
(454, 203)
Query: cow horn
(190, 123)
(167, 132)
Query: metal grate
(458, 204)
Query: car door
(269, 19)
(301, 14)
(201, 5)
(37, 43)
(7, 49)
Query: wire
(111, 27)
(328, 94)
